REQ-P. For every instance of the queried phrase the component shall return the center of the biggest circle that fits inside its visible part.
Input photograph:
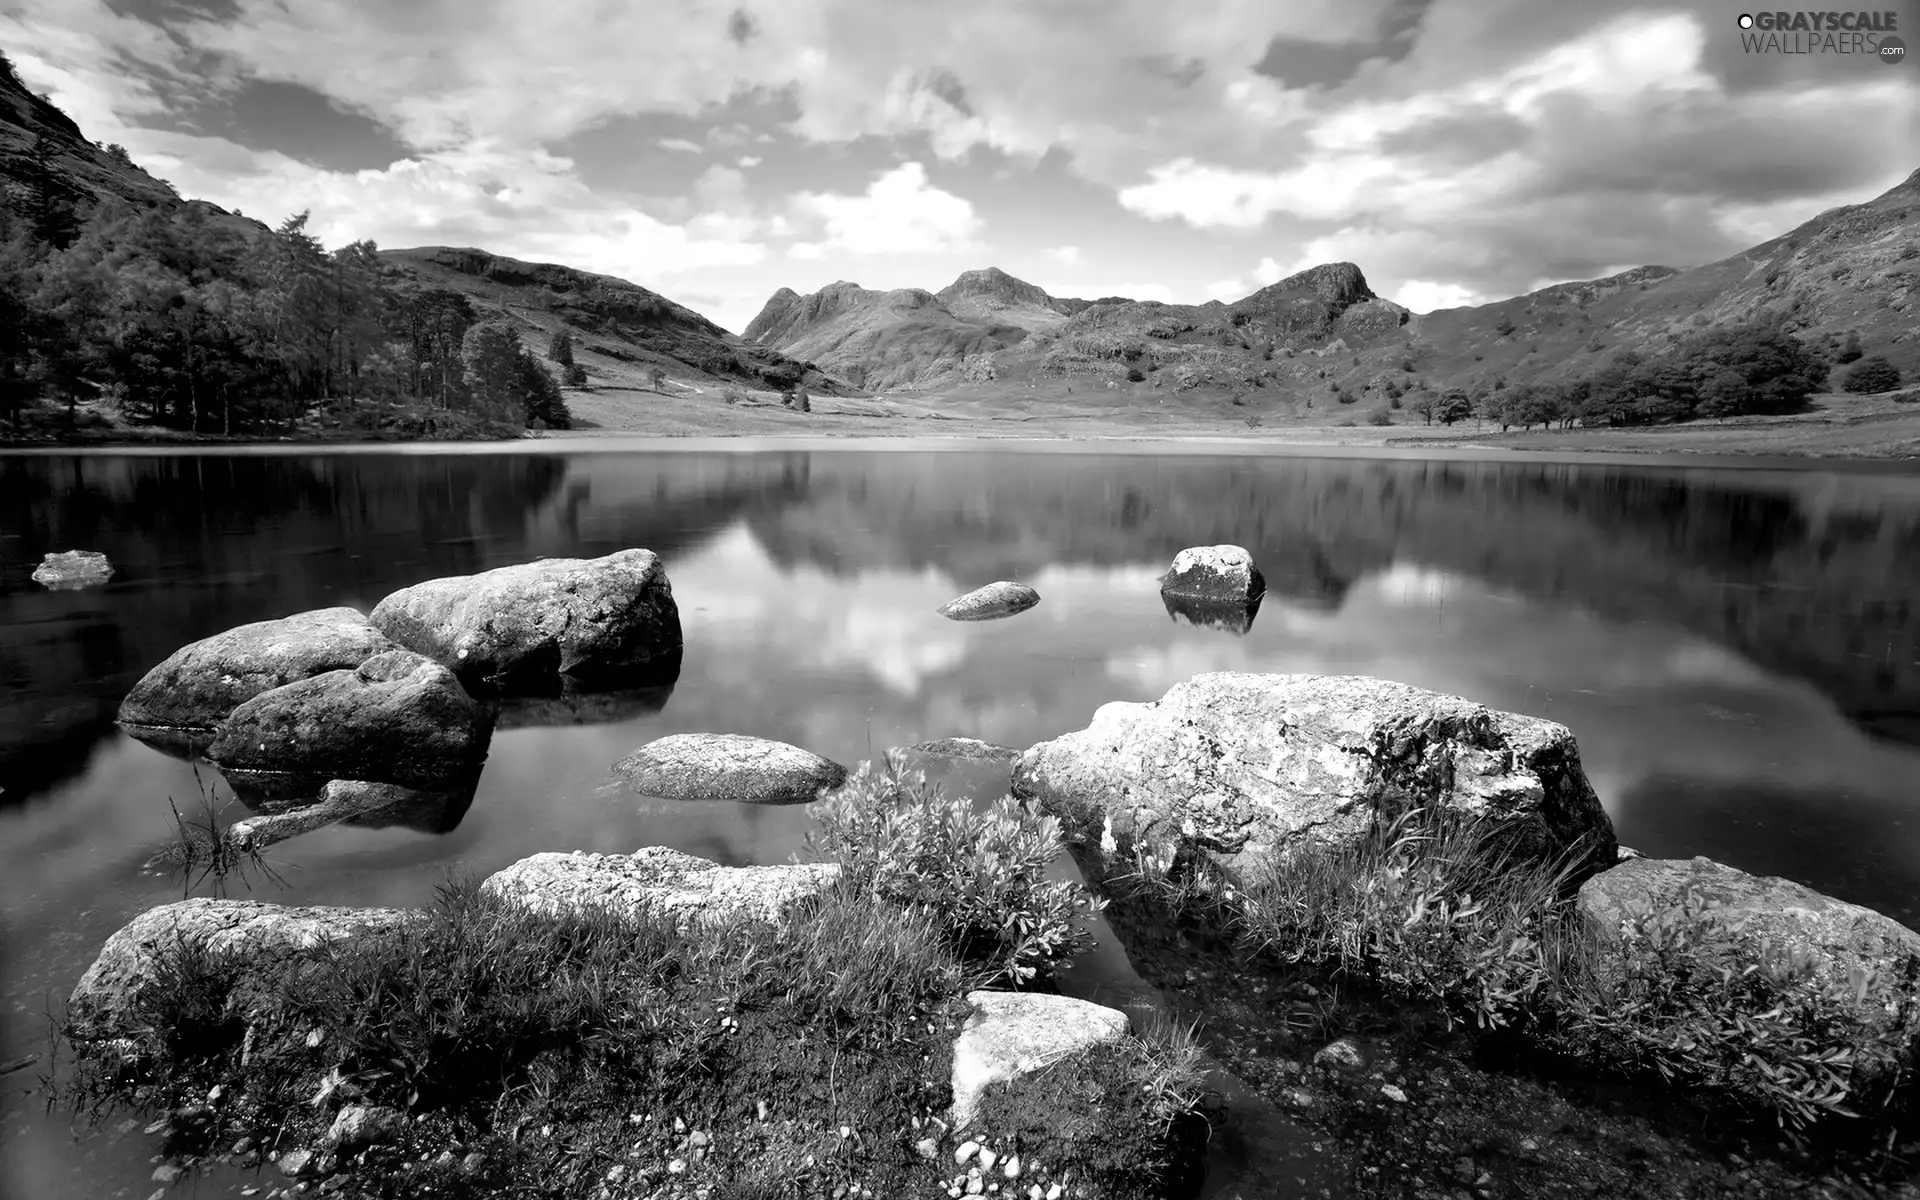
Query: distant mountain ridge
(1853, 269)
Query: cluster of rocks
(408, 697)
(1216, 587)
(71, 570)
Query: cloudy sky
(1458, 150)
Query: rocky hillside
(40, 145)
(1853, 269)
(615, 323)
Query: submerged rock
(397, 718)
(1222, 574)
(1228, 616)
(728, 766)
(607, 618)
(67, 570)
(355, 802)
(1233, 766)
(1002, 599)
(1011, 1035)
(1769, 918)
(658, 882)
(177, 704)
(570, 705)
(109, 999)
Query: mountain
(1853, 269)
(622, 327)
(615, 323)
(41, 144)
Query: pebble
(616, 1173)
(699, 1139)
(1012, 1169)
(928, 1148)
(966, 1151)
(294, 1161)
(167, 1173)
(1393, 1093)
(987, 1159)
(677, 1166)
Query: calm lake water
(1738, 651)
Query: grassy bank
(1501, 1045)
(499, 1051)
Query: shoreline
(1412, 449)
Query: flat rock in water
(354, 802)
(67, 570)
(1218, 573)
(397, 718)
(1014, 1034)
(1227, 616)
(1839, 939)
(108, 1000)
(959, 749)
(605, 618)
(728, 766)
(1233, 765)
(660, 883)
(1002, 599)
(178, 703)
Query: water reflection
(1737, 652)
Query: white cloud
(1268, 271)
(1427, 295)
(899, 213)
(748, 161)
(682, 145)
(1070, 255)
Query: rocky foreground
(1435, 854)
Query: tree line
(197, 321)
(1732, 370)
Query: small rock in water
(69, 569)
(167, 1173)
(1001, 599)
(294, 1162)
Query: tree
(490, 356)
(1426, 403)
(1456, 405)
(1871, 375)
(657, 378)
(560, 347)
(1850, 352)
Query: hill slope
(1854, 269)
(613, 321)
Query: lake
(1737, 650)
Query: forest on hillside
(186, 317)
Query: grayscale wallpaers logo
(1869, 34)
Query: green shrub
(981, 875)
(1136, 375)
(1871, 375)
(1684, 992)
(1379, 416)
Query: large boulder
(1002, 599)
(397, 718)
(1232, 766)
(1010, 1035)
(1219, 574)
(111, 1000)
(609, 618)
(655, 882)
(1768, 918)
(178, 703)
(70, 570)
(728, 766)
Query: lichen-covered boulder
(728, 766)
(606, 618)
(1001, 599)
(655, 882)
(178, 703)
(1221, 574)
(1233, 766)
(69, 570)
(1866, 963)
(396, 718)
(111, 999)
(1010, 1035)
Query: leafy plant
(979, 874)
